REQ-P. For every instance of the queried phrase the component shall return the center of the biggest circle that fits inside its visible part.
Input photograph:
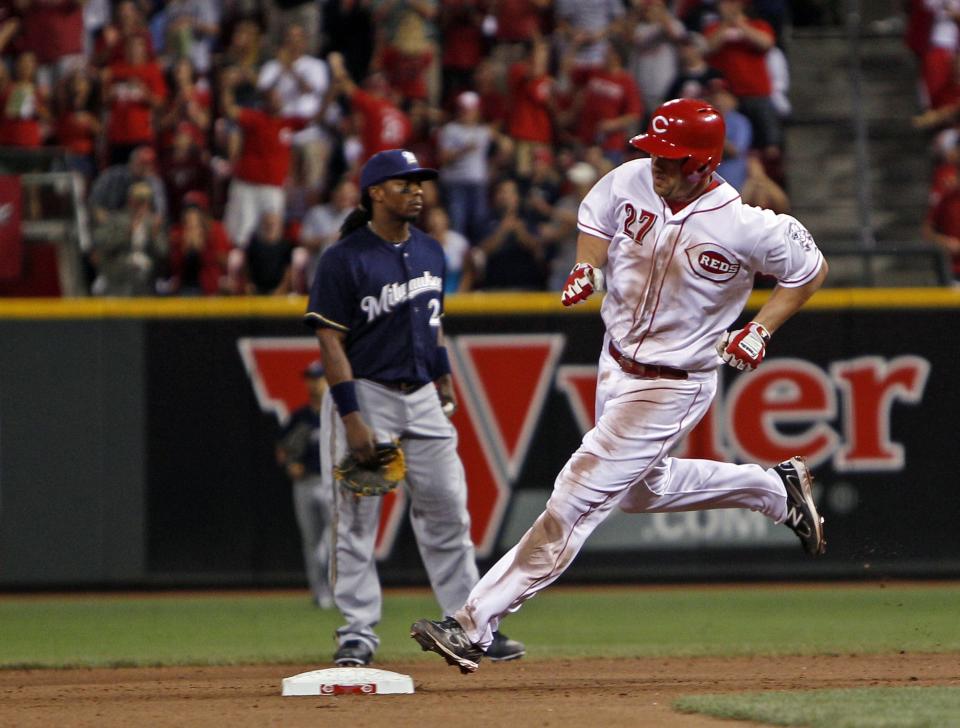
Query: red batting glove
(744, 349)
(583, 280)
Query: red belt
(645, 371)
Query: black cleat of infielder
(448, 640)
(353, 653)
(504, 649)
(802, 516)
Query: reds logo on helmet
(688, 129)
(712, 261)
(659, 123)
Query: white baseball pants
(621, 462)
(246, 205)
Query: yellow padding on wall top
(464, 304)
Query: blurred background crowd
(219, 141)
(933, 35)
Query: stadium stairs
(821, 153)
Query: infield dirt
(568, 692)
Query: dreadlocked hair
(359, 217)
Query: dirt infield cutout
(567, 692)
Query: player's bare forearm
(592, 250)
(444, 383)
(448, 398)
(335, 360)
(784, 302)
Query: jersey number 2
(636, 226)
(434, 305)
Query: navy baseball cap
(314, 370)
(392, 164)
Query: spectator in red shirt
(185, 169)
(188, 103)
(529, 121)
(942, 46)
(916, 35)
(128, 21)
(406, 70)
(77, 124)
(737, 47)
(53, 29)
(24, 106)
(493, 102)
(461, 27)
(942, 225)
(199, 249)
(518, 23)
(608, 105)
(134, 89)
(263, 163)
(944, 179)
(382, 124)
(407, 36)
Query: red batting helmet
(688, 129)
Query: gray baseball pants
(312, 504)
(437, 490)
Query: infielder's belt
(645, 371)
(402, 387)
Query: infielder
(299, 451)
(678, 250)
(376, 304)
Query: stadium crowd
(933, 34)
(220, 140)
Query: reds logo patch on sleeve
(712, 261)
(799, 235)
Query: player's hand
(744, 349)
(360, 439)
(448, 399)
(583, 280)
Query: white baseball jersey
(676, 282)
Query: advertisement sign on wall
(527, 398)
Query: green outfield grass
(111, 630)
(855, 708)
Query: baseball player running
(678, 251)
(376, 304)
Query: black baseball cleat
(503, 648)
(802, 516)
(353, 653)
(448, 640)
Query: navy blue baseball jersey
(387, 298)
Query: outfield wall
(136, 440)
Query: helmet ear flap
(693, 167)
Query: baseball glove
(374, 477)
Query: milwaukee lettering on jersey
(394, 294)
